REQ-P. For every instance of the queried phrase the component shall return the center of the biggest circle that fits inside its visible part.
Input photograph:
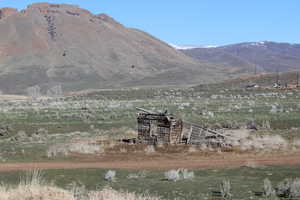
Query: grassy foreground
(246, 182)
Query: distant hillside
(262, 80)
(58, 44)
(248, 57)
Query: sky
(199, 22)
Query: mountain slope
(264, 56)
(59, 44)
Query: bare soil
(159, 162)
(12, 97)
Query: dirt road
(155, 164)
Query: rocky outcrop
(6, 12)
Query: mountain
(248, 57)
(47, 45)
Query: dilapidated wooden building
(158, 128)
(163, 128)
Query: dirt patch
(154, 162)
(13, 97)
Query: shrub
(21, 136)
(65, 149)
(289, 188)
(192, 149)
(33, 178)
(2, 159)
(85, 148)
(41, 131)
(133, 176)
(225, 189)
(172, 175)
(150, 149)
(254, 165)
(268, 189)
(141, 174)
(57, 150)
(123, 150)
(283, 188)
(296, 142)
(266, 124)
(263, 142)
(175, 175)
(187, 175)
(295, 189)
(79, 191)
(110, 175)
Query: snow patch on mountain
(186, 47)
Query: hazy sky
(199, 22)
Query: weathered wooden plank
(200, 135)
